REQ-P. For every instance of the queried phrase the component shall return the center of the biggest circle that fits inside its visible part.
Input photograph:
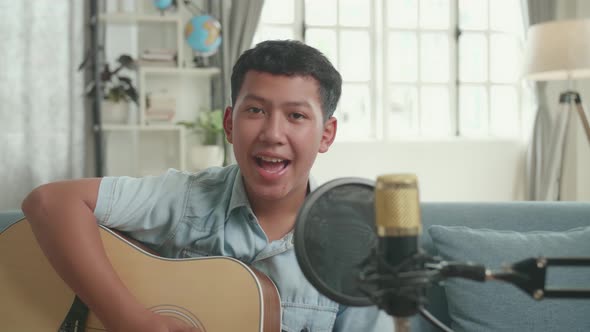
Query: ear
(328, 134)
(228, 124)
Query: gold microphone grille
(397, 205)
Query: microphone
(398, 226)
(356, 241)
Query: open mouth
(271, 165)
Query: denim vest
(181, 215)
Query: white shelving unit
(142, 147)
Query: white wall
(451, 170)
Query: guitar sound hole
(179, 313)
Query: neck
(277, 217)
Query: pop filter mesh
(334, 235)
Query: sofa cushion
(499, 306)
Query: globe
(203, 34)
(163, 4)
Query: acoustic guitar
(212, 293)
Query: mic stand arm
(530, 276)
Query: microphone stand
(529, 275)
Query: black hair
(290, 58)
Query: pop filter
(334, 235)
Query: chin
(271, 193)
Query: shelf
(141, 146)
(207, 72)
(121, 127)
(134, 18)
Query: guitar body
(214, 294)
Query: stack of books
(156, 57)
(161, 108)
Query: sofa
(506, 232)
(492, 234)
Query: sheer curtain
(546, 146)
(239, 20)
(41, 97)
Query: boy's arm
(61, 215)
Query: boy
(283, 96)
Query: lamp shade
(558, 50)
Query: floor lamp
(560, 51)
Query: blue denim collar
(240, 199)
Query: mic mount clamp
(379, 280)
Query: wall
(451, 170)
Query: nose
(273, 130)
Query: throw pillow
(500, 306)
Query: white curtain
(41, 98)
(239, 20)
(547, 143)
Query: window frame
(373, 84)
(379, 71)
(452, 84)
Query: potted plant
(206, 141)
(117, 91)
(210, 125)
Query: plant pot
(115, 112)
(203, 156)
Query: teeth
(272, 160)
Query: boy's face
(276, 127)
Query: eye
(254, 110)
(297, 116)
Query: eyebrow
(256, 98)
(288, 103)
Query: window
(280, 20)
(413, 68)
